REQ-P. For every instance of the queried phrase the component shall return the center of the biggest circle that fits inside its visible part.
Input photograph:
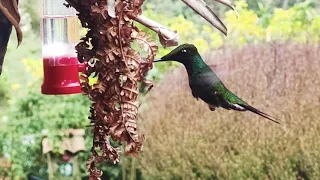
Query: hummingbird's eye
(184, 50)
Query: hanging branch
(200, 7)
(119, 69)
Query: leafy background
(270, 58)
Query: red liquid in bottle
(61, 76)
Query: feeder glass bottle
(59, 34)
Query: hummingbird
(206, 85)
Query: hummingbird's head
(182, 54)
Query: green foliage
(246, 28)
(298, 23)
(4, 93)
(295, 23)
(33, 113)
(4, 102)
(13, 66)
(62, 112)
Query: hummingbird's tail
(257, 111)
(234, 102)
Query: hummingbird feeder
(60, 34)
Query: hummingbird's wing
(201, 87)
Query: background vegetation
(187, 141)
(270, 58)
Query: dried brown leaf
(9, 16)
(118, 68)
(10, 9)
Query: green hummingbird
(205, 84)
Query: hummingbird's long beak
(158, 60)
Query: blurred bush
(31, 113)
(185, 140)
(4, 94)
(300, 23)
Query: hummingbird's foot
(212, 107)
